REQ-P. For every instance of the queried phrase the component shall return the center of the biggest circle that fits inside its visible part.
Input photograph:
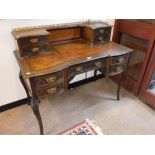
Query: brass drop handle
(100, 38)
(101, 31)
(121, 59)
(51, 79)
(119, 68)
(98, 64)
(36, 49)
(34, 40)
(52, 90)
(79, 69)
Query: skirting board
(13, 104)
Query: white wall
(10, 86)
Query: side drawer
(32, 40)
(36, 49)
(117, 69)
(48, 79)
(50, 89)
(102, 35)
(50, 84)
(120, 59)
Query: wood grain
(66, 55)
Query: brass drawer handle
(120, 68)
(51, 79)
(101, 31)
(36, 49)
(121, 59)
(34, 40)
(100, 38)
(98, 64)
(52, 90)
(79, 69)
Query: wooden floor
(96, 101)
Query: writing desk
(50, 73)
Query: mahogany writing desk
(67, 53)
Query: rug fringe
(94, 126)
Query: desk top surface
(67, 54)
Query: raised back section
(64, 34)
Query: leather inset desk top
(67, 54)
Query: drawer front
(33, 40)
(87, 66)
(46, 91)
(50, 84)
(92, 65)
(48, 79)
(51, 89)
(117, 69)
(76, 69)
(102, 35)
(120, 59)
(33, 50)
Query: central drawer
(87, 66)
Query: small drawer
(94, 64)
(35, 49)
(76, 69)
(116, 69)
(50, 84)
(50, 79)
(33, 40)
(45, 82)
(102, 35)
(101, 31)
(46, 91)
(50, 89)
(120, 59)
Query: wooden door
(147, 90)
(139, 36)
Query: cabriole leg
(25, 87)
(123, 78)
(35, 108)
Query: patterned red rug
(86, 127)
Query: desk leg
(35, 108)
(123, 78)
(25, 87)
